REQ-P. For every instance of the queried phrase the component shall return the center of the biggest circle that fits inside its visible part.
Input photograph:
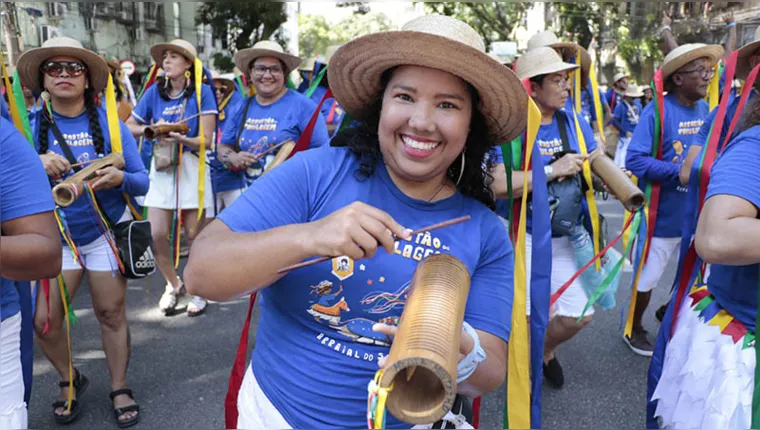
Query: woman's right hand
(356, 231)
(55, 165)
(569, 165)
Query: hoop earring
(461, 172)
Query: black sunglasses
(54, 69)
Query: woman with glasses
(174, 180)
(274, 115)
(71, 129)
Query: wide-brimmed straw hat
(743, 68)
(228, 83)
(633, 91)
(542, 61)
(265, 48)
(685, 54)
(568, 50)
(437, 42)
(183, 47)
(618, 77)
(29, 63)
(308, 65)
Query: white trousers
(622, 150)
(13, 413)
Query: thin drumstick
(272, 149)
(190, 117)
(415, 232)
(83, 163)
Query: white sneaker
(197, 306)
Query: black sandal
(121, 411)
(80, 386)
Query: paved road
(180, 366)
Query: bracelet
(662, 30)
(731, 24)
(467, 366)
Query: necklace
(437, 192)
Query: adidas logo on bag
(147, 260)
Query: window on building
(57, 9)
(177, 32)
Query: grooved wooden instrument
(162, 130)
(618, 182)
(68, 191)
(285, 149)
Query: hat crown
(681, 50)
(544, 38)
(450, 28)
(535, 60)
(269, 46)
(187, 46)
(619, 76)
(62, 42)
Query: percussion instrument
(68, 191)
(618, 182)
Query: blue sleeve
(489, 304)
(143, 112)
(617, 120)
(232, 124)
(704, 132)
(136, 182)
(208, 101)
(4, 112)
(320, 136)
(588, 134)
(639, 159)
(736, 173)
(24, 186)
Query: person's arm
(617, 119)
(607, 112)
(31, 248)
(731, 40)
(141, 114)
(669, 40)
(135, 128)
(136, 180)
(639, 159)
(194, 143)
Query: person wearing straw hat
(686, 73)
(69, 77)
(273, 116)
(626, 118)
(31, 250)
(431, 105)
(331, 110)
(306, 72)
(617, 91)
(174, 180)
(647, 96)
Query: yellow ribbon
(597, 103)
(635, 285)
(13, 105)
(66, 310)
(202, 149)
(713, 94)
(518, 369)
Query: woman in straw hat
(174, 181)
(31, 250)
(686, 74)
(626, 118)
(274, 115)
(431, 103)
(69, 77)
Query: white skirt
(162, 194)
(13, 414)
(707, 379)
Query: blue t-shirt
(267, 126)
(80, 217)
(222, 178)
(587, 104)
(735, 173)
(627, 116)
(151, 108)
(4, 111)
(315, 349)
(24, 191)
(613, 98)
(733, 105)
(681, 127)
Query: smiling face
(268, 76)
(424, 123)
(175, 64)
(65, 78)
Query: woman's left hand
(466, 343)
(178, 138)
(108, 178)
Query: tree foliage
(494, 21)
(316, 33)
(360, 7)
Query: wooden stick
(84, 163)
(415, 232)
(189, 118)
(258, 157)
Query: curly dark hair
(98, 139)
(164, 86)
(363, 141)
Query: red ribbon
(46, 290)
(305, 139)
(238, 372)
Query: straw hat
(633, 91)
(743, 67)
(266, 48)
(618, 77)
(685, 54)
(308, 65)
(541, 61)
(29, 63)
(331, 50)
(568, 50)
(229, 84)
(177, 45)
(437, 42)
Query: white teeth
(422, 146)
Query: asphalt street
(180, 366)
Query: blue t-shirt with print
(151, 108)
(24, 191)
(267, 126)
(315, 349)
(222, 178)
(80, 217)
(681, 127)
(735, 173)
(627, 116)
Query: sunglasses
(54, 69)
(222, 90)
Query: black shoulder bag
(568, 194)
(133, 238)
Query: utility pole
(10, 29)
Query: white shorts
(96, 257)
(572, 302)
(660, 252)
(622, 150)
(13, 414)
(161, 194)
(225, 198)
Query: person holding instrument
(71, 129)
(431, 104)
(174, 181)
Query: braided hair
(96, 130)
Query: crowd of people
(386, 134)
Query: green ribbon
(756, 391)
(316, 81)
(18, 93)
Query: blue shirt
(24, 191)
(587, 104)
(267, 126)
(80, 217)
(733, 106)
(681, 126)
(314, 365)
(4, 111)
(735, 173)
(627, 116)
(222, 178)
(613, 98)
(331, 110)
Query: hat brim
(548, 69)
(634, 95)
(743, 68)
(157, 52)
(356, 69)
(711, 52)
(569, 50)
(30, 61)
(243, 58)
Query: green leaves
(316, 33)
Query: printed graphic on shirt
(550, 147)
(689, 128)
